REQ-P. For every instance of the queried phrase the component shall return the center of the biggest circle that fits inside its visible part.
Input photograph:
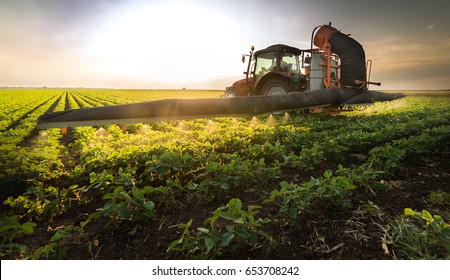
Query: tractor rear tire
(277, 86)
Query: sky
(157, 44)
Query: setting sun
(159, 43)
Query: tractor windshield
(265, 63)
(290, 63)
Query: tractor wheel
(277, 86)
(230, 92)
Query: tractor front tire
(230, 92)
(277, 86)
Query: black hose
(353, 60)
(176, 109)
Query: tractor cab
(277, 59)
(272, 71)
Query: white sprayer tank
(317, 72)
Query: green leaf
(409, 212)
(224, 186)
(28, 227)
(427, 216)
(126, 195)
(254, 237)
(226, 215)
(230, 228)
(436, 228)
(209, 243)
(149, 205)
(174, 245)
(10, 201)
(235, 203)
(21, 248)
(203, 230)
(124, 213)
(292, 212)
(274, 194)
(215, 234)
(321, 190)
(232, 217)
(438, 219)
(284, 185)
(9, 223)
(192, 186)
(66, 232)
(136, 193)
(226, 238)
(108, 208)
(242, 232)
(91, 217)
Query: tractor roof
(279, 47)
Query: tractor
(276, 70)
(281, 69)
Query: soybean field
(362, 184)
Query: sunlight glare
(211, 127)
(254, 121)
(270, 120)
(101, 132)
(165, 41)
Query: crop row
(20, 165)
(293, 163)
(234, 224)
(130, 96)
(274, 140)
(16, 105)
(26, 125)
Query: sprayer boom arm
(179, 109)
